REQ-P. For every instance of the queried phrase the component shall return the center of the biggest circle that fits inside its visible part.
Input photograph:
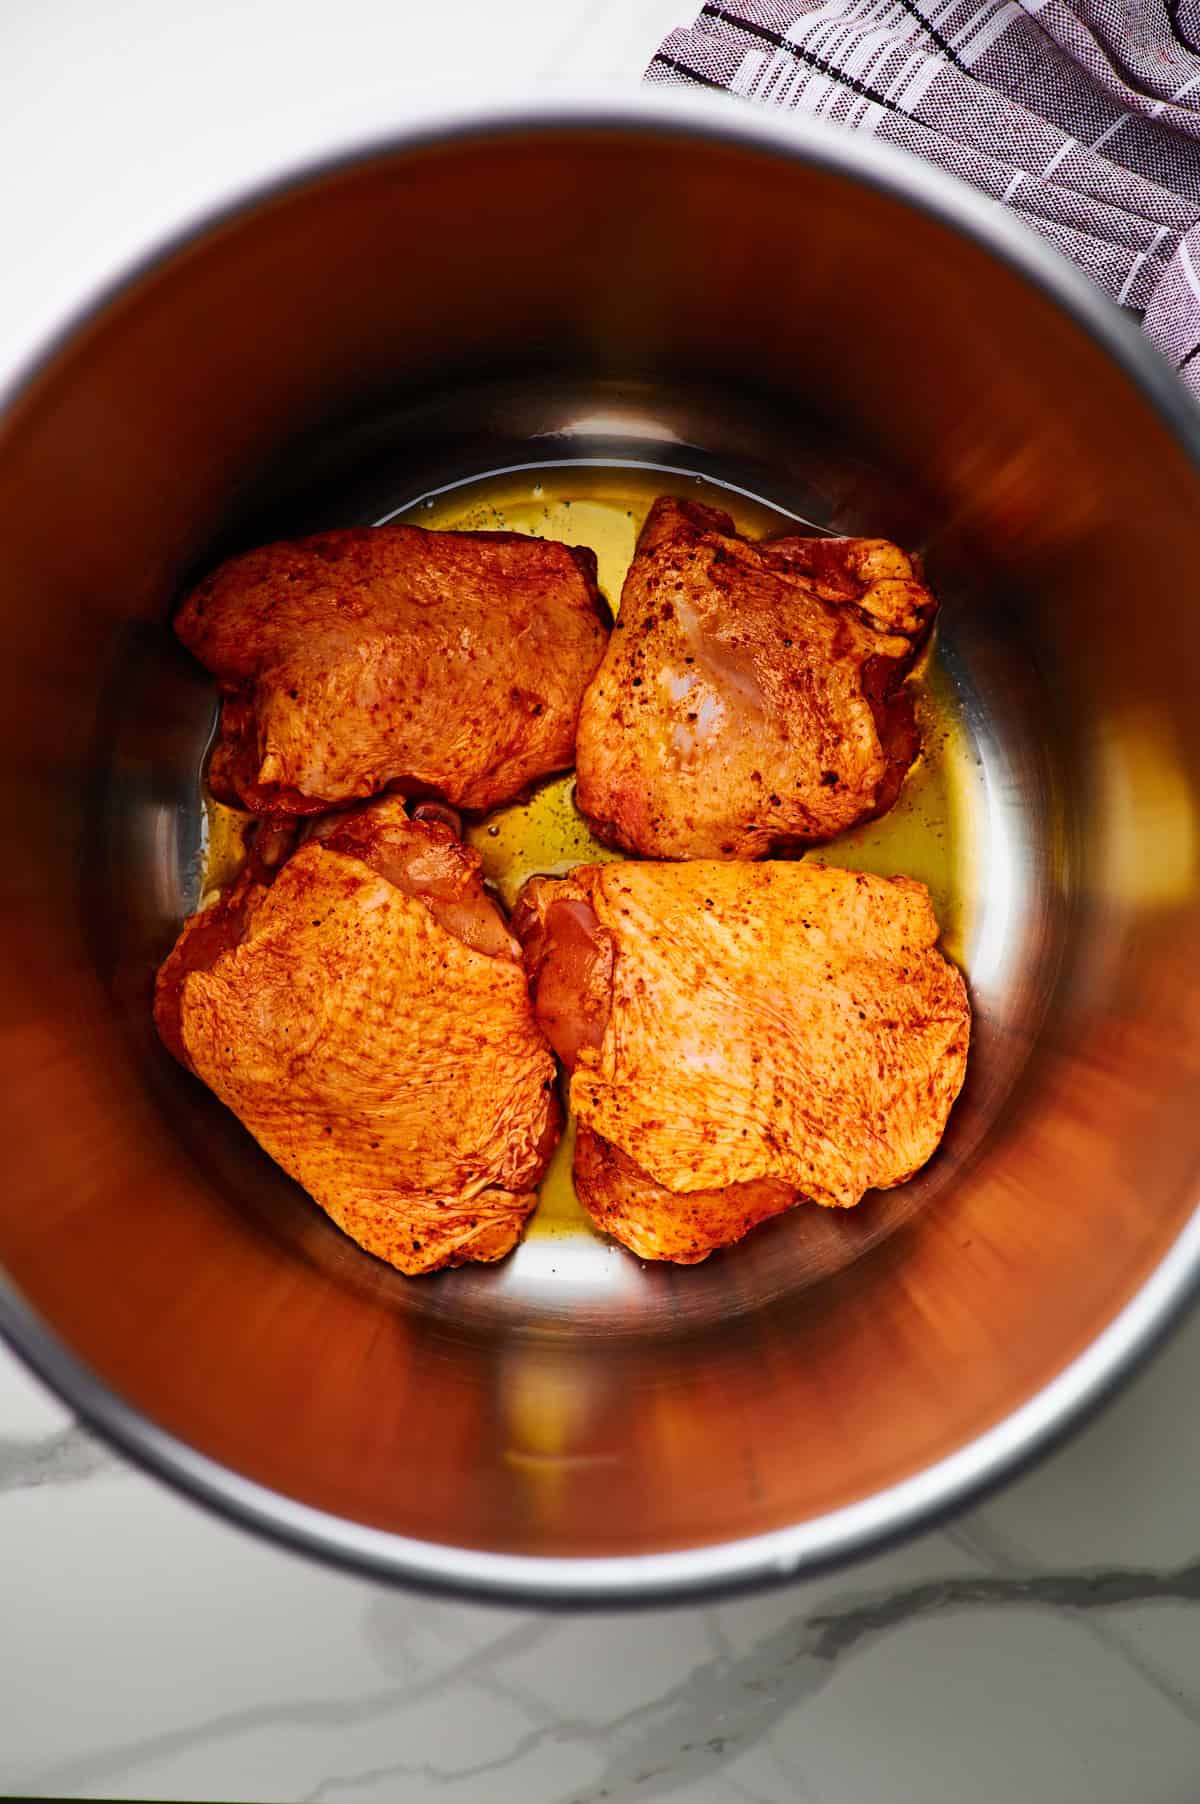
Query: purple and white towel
(1081, 115)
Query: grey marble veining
(63, 1457)
(722, 1702)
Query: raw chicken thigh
(742, 1037)
(362, 1008)
(448, 663)
(751, 695)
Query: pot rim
(1002, 1450)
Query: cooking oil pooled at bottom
(927, 834)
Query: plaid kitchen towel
(1081, 115)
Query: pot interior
(600, 312)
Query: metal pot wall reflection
(571, 1425)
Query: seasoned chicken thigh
(751, 694)
(363, 1010)
(368, 658)
(742, 1037)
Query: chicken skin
(740, 1038)
(751, 695)
(362, 1008)
(449, 663)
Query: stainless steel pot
(854, 338)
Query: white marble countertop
(1045, 1647)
